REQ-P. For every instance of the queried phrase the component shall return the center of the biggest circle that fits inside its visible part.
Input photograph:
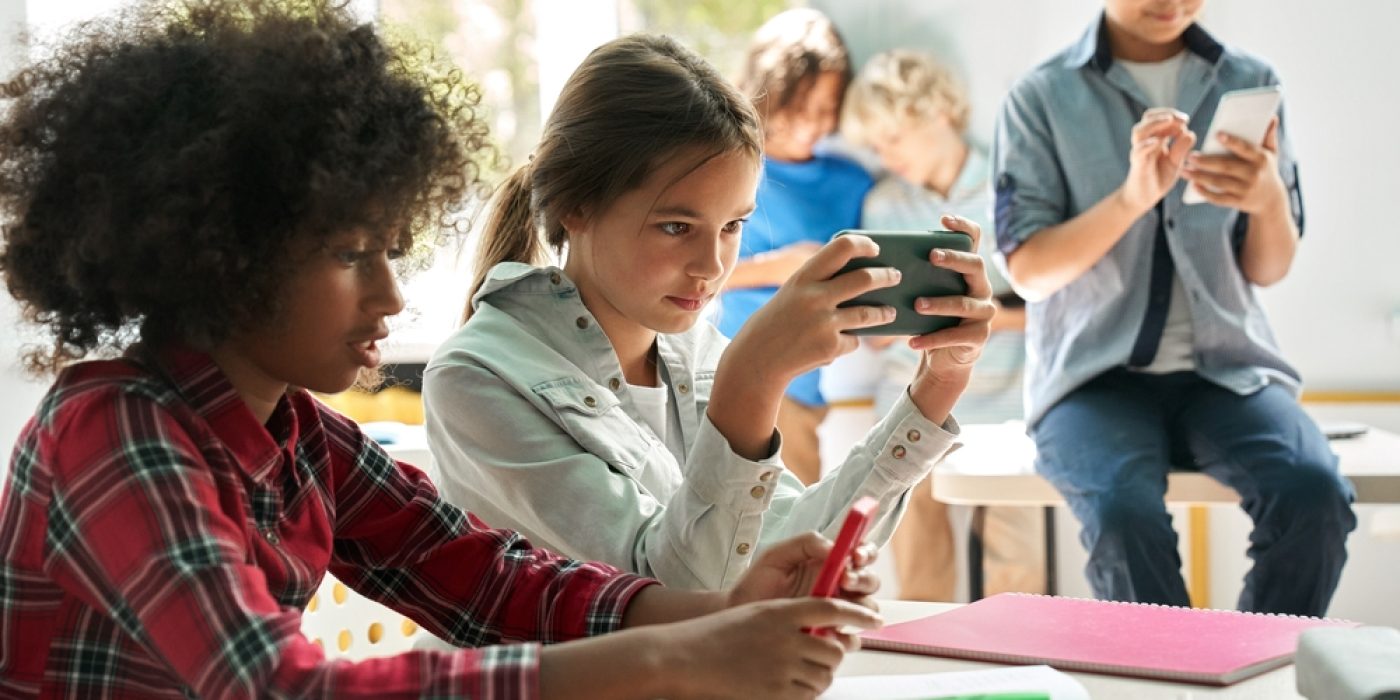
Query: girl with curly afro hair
(209, 197)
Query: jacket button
(913, 436)
(765, 476)
(614, 384)
(743, 548)
(589, 401)
(271, 536)
(554, 278)
(898, 452)
(581, 322)
(757, 491)
(683, 388)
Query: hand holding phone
(908, 252)
(1244, 114)
(828, 582)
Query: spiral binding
(1201, 610)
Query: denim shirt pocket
(594, 418)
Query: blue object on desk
(383, 432)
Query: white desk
(409, 444)
(996, 466)
(1276, 684)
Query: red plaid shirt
(159, 542)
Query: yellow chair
(346, 624)
(393, 404)
(350, 626)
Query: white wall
(1333, 313)
(1338, 70)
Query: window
(719, 30)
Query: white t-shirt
(1175, 351)
(655, 406)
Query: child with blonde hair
(912, 112)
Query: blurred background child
(912, 112)
(796, 73)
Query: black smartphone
(908, 251)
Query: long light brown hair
(630, 105)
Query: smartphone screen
(1244, 114)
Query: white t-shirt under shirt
(1175, 351)
(654, 405)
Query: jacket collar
(1093, 48)
(522, 276)
(545, 303)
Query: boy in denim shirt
(1146, 345)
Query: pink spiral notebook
(1211, 647)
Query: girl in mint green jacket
(590, 407)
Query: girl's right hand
(800, 328)
(1160, 142)
(760, 650)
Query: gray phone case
(908, 252)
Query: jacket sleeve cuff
(728, 480)
(905, 445)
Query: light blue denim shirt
(1061, 146)
(532, 427)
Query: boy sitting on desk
(1147, 345)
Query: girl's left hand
(1246, 178)
(948, 354)
(789, 568)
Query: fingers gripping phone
(858, 518)
(908, 251)
(1244, 114)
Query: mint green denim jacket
(532, 427)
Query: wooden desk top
(995, 466)
(1278, 683)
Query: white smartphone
(1244, 114)
(1343, 430)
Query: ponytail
(511, 234)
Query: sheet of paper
(922, 686)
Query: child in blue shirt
(796, 73)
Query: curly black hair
(156, 166)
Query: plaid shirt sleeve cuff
(513, 670)
(502, 671)
(605, 613)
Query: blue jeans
(1108, 447)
